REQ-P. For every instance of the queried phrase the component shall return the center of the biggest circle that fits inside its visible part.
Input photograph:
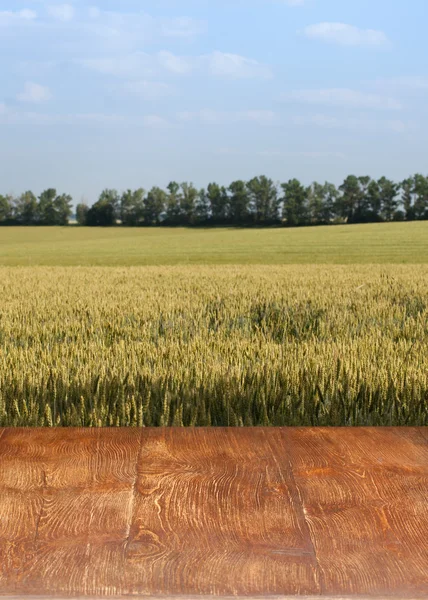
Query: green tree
(154, 206)
(316, 203)
(202, 208)
(331, 194)
(295, 203)
(112, 198)
(82, 213)
(421, 197)
(132, 207)
(54, 209)
(388, 192)
(6, 208)
(218, 200)
(322, 200)
(63, 210)
(105, 211)
(363, 212)
(239, 203)
(101, 214)
(188, 199)
(26, 209)
(263, 197)
(408, 190)
(173, 203)
(46, 207)
(350, 199)
(374, 201)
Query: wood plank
(187, 597)
(109, 529)
(364, 494)
(21, 501)
(223, 512)
(216, 514)
(86, 480)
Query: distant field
(393, 243)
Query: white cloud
(279, 153)
(412, 82)
(218, 64)
(33, 92)
(343, 97)
(214, 117)
(34, 69)
(62, 12)
(235, 66)
(8, 17)
(140, 64)
(175, 64)
(345, 35)
(397, 125)
(319, 154)
(303, 154)
(26, 14)
(133, 65)
(94, 12)
(14, 117)
(104, 119)
(319, 120)
(259, 116)
(155, 121)
(356, 124)
(149, 90)
(181, 27)
(137, 27)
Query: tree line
(258, 202)
(49, 208)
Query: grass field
(395, 243)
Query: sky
(135, 93)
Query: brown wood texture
(214, 512)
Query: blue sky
(128, 93)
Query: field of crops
(214, 345)
(381, 243)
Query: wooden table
(222, 512)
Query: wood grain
(82, 490)
(217, 514)
(364, 494)
(214, 512)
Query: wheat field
(214, 345)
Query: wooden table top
(214, 512)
